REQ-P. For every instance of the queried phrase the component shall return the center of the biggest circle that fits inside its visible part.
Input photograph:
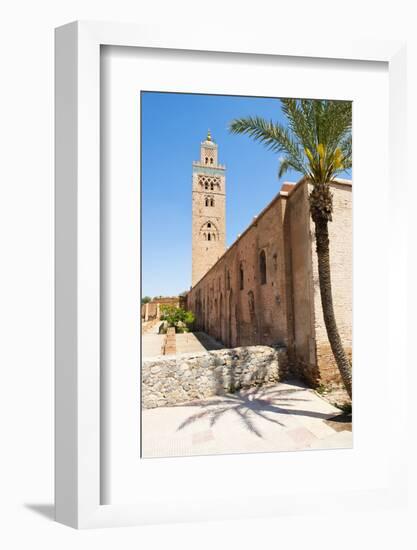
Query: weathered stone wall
(340, 234)
(300, 252)
(167, 380)
(313, 358)
(232, 302)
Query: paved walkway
(150, 326)
(152, 341)
(189, 342)
(283, 417)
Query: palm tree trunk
(322, 248)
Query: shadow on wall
(208, 342)
(238, 376)
(234, 373)
(235, 376)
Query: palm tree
(317, 143)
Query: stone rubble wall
(168, 380)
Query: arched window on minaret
(211, 202)
(207, 160)
(207, 201)
(214, 236)
(208, 237)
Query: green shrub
(177, 317)
(345, 407)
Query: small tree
(146, 299)
(177, 316)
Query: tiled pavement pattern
(283, 417)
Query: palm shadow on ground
(251, 405)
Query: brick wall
(340, 232)
(286, 309)
(252, 313)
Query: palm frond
(274, 136)
(317, 141)
(299, 123)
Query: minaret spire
(209, 209)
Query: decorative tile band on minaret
(208, 210)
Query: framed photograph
(227, 259)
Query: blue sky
(173, 125)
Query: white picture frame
(77, 397)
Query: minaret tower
(209, 210)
